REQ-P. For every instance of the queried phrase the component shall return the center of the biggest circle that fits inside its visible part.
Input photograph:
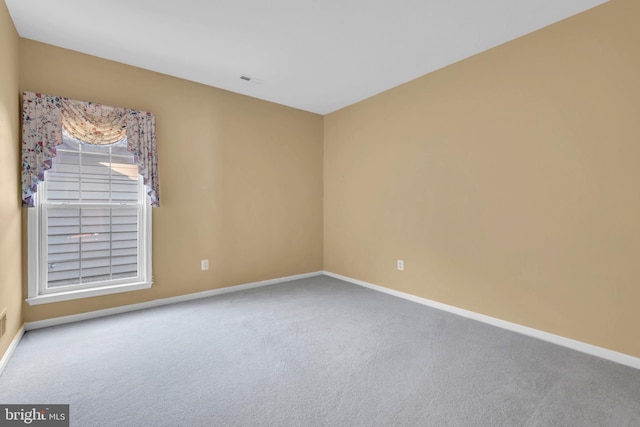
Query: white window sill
(87, 293)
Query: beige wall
(10, 274)
(241, 179)
(509, 182)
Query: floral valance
(94, 123)
(44, 116)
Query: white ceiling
(315, 55)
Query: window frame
(39, 293)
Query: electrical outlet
(400, 265)
(204, 264)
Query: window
(90, 228)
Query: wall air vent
(3, 322)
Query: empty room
(319, 213)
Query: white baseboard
(12, 347)
(164, 301)
(590, 349)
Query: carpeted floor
(313, 352)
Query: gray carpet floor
(312, 352)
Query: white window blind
(92, 207)
(88, 243)
(91, 244)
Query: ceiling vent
(250, 79)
